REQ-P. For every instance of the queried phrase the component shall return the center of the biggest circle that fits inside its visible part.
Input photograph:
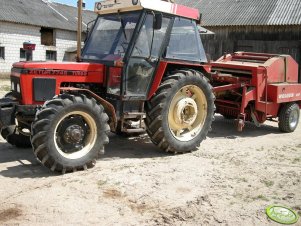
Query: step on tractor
(142, 68)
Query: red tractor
(143, 67)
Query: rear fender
(165, 66)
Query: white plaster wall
(13, 35)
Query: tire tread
(155, 106)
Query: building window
(47, 37)
(50, 55)
(2, 53)
(24, 56)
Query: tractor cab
(131, 38)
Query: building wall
(265, 39)
(13, 35)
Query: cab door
(145, 55)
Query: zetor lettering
(57, 72)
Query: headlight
(18, 88)
(12, 86)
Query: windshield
(110, 37)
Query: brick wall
(13, 35)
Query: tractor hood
(64, 66)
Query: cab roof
(114, 6)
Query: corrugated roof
(42, 13)
(247, 12)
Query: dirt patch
(10, 214)
(112, 193)
(229, 180)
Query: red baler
(257, 87)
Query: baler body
(254, 86)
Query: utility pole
(79, 29)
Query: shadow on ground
(21, 163)
(227, 128)
(139, 146)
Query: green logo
(282, 215)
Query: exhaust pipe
(79, 29)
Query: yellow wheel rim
(90, 139)
(187, 113)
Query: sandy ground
(230, 180)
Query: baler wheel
(69, 133)
(180, 114)
(289, 117)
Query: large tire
(12, 137)
(69, 133)
(289, 117)
(180, 114)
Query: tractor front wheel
(289, 117)
(181, 112)
(69, 133)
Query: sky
(89, 3)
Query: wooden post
(79, 29)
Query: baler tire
(160, 122)
(50, 133)
(15, 139)
(289, 112)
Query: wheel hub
(293, 119)
(185, 112)
(74, 134)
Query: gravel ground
(230, 180)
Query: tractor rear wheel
(289, 117)
(180, 114)
(69, 133)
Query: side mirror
(158, 21)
